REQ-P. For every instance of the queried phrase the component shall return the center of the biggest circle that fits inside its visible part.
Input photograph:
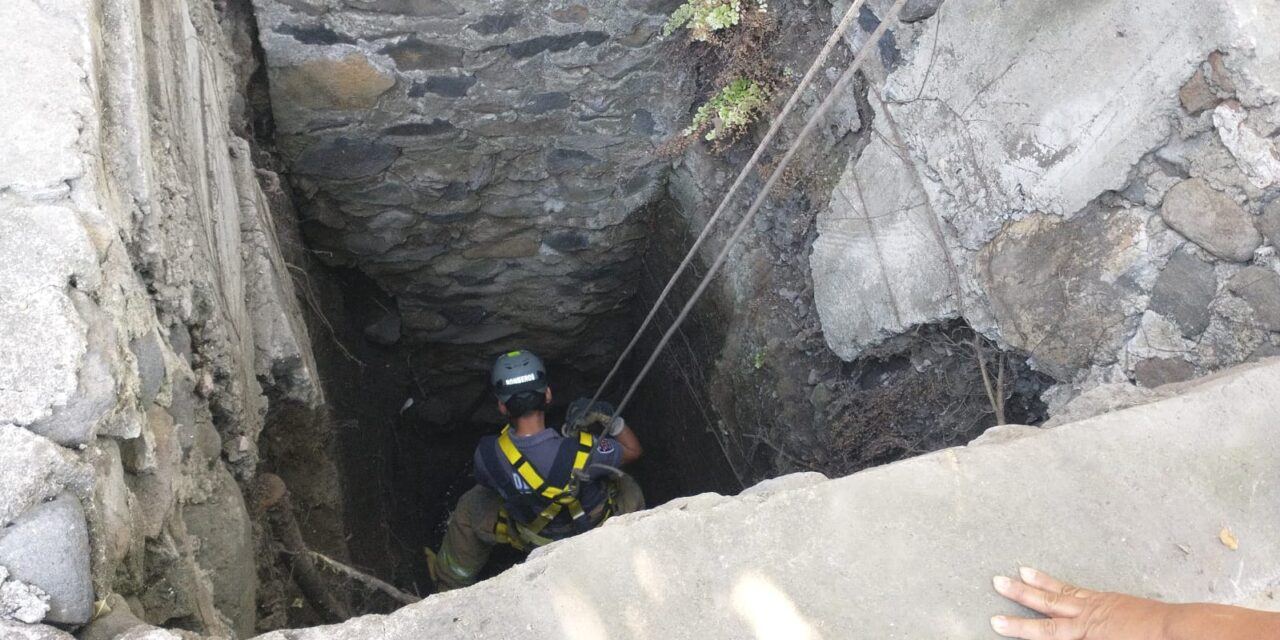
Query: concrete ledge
(1133, 500)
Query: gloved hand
(615, 427)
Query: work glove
(615, 427)
(583, 415)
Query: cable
(812, 124)
(818, 62)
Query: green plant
(730, 109)
(704, 17)
(758, 359)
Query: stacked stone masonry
(483, 162)
(145, 313)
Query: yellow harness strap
(560, 497)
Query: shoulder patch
(605, 446)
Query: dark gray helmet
(518, 372)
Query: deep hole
(403, 466)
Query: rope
(809, 127)
(818, 63)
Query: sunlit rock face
(483, 162)
(1083, 183)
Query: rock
(1183, 292)
(32, 470)
(152, 633)
(97, 392)
(1234, 334)
(917, 10)
(52, 530)
(226, 549)
(1257, 156)
(1210, 219)
(385, 332)
(1056, 289)
(1197, 96)
(865, 291)
(347, 83)
(412, 54)
(556, 43)
(424, 8)
(495, 23)
(47, 106)
(1156, 337)
(149, 352)
(345, 159)
(114, 534)
(19, 631)
(1158, 372)
(517, 247)
(155, 461)
(21, 602)
(1269, 222)
(433, 128)
(42, 341)
(113, 621)
(1260, 287)
(446, 86)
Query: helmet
(517, 372)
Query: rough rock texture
(19, 631)
(483, 163)
(1183, 292)
(940, 526)
(1260, 287)
(147, 310)
(53, 531)
(1040, 195)
(21, 602)
(1211, 220)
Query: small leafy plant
(730, 110)
(730, 39)
(704, 17)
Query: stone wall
(482, 162)
(146, 315)
(1094, 185)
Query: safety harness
(524, 516)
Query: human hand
(1075, 613)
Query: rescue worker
(536, 484)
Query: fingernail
(1028, 574)
(1000, 624)
(1001, 583)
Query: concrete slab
(1132, 501)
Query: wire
(818, 62)
(809, 127)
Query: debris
(1228, 539)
